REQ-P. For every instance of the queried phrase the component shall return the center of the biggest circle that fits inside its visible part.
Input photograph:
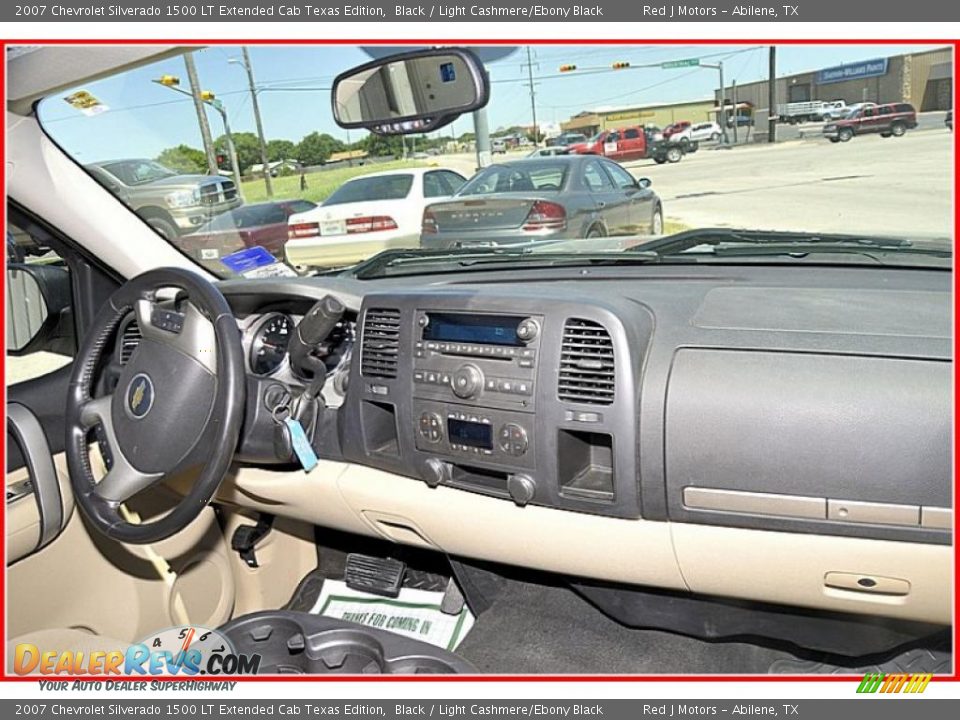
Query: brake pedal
(379, 576)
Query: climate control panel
(466, 433)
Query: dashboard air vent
(381, 343)
(586, 363)
(129, 340)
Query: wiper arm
(472, 258)
(757, 238)
(799, 249)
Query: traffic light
(567, 68)
(169, 80)
(620, 65)
(207, 95)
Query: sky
(294, 83)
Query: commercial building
(924, 79)
(590, 122)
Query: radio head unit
(506, 330)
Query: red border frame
(954, 43)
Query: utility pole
(533, 99)
(736, 112)
(772, 97)
(201, 114)
(256, 115)
(723, 105)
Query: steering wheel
(178, 403)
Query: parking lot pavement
(870, 185)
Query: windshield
(248, 160)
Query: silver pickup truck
(171, 203)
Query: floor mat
(543, 629)
(414, 613)
(937, 659)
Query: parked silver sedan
(544, 199)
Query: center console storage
(534, 402)
(299, 643)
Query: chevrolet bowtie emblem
(140, 395)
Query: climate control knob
(431, 427)
(467, 381)
(521, 489)
(513, 439)
(435, 472)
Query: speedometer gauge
(269, 346)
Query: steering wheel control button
(522, 488)
(467, 381)
(528, 330)
(431, 427)
(167, 320)
(140, 396)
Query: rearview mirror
(412, 92)
(644, 183)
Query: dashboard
(704, 395)
(681, 427)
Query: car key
(298, 437)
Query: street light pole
(721, 113)
(231, 148)
(256, 115)
(207, 98)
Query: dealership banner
(259, 11)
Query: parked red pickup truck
(891, 119)
(633, 143)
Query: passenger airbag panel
(868, 430)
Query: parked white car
(699, 132)
(366, 215)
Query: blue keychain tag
(301, 446)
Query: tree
(316, 148)
(248, 149)
(383, 145)
(184, 159)
(281, 150)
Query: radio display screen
(473, 434)
(481, 329)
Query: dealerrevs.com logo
(184, 651)
(894, 682)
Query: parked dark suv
(889, 119)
